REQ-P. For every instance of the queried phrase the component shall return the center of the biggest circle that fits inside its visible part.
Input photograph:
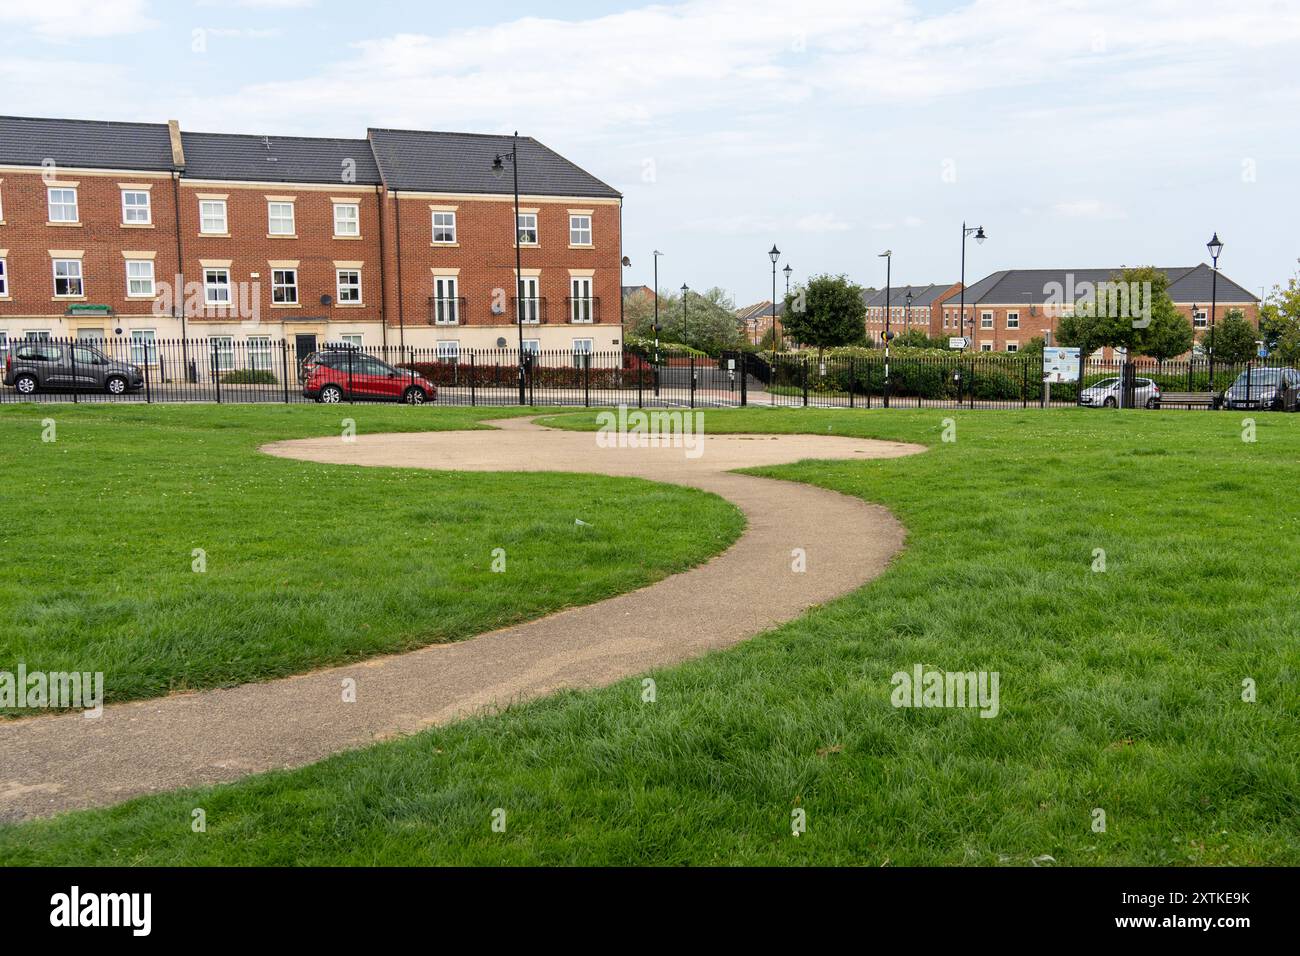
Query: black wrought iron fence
(260, 368)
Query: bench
(1191, 399)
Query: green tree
(1279, 322)
(709, 324)
(826, 312)
(1168, 336)
(1233, 338)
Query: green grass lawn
(1120, 690)
(306, 564)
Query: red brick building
(148, 232)
(924, 310)
(1008, 308)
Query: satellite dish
(501, 342)
(626, 262)
(327, 299)
(497, 308)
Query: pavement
(54, 763)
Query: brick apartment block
(1006, 309)
(925, 311)
(401, 238)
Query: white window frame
(272, 218)
(69, 276)
(583, 349)
(986, 346)
(340, 287)
(224, 351)
(351, 338)
(1013, 346)
(1200, 319)
(62, 204)
(206, 214)
(444, 226)
(280, 283)
(4, 278)
(259, 353)
(446, 303)
(521, 228)
(533, 315)
(210, 286)
(352, 224)
(447, 350)
(130, 279)
(576, 231)
(144, 346)
(582, 308)
(532, 346)
(986, 320)
(127, 209)
(1013, 320)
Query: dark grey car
(40, 366)
(1268, 389)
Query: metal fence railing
(257, 368)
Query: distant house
(924, 311)
(637, 290)
(755, 320)
(1008, 308)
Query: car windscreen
(1259, 376)
(1107, 383)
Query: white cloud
(821, 222)
(1088, 209)
(64, 20)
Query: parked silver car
(1106, 394)
(35, 366)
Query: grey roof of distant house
(91, 144)
(922, 295)
(279, 159)
(462, 163)
(1187, 284)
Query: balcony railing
(582, 310)
(447, 310)
(530, 310)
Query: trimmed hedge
(249, 376)
(541, 376)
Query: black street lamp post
(1215, 245)
(978, 233)
(685, 289)
(774, 254)
(888, 256)
(498, 170)
(657, 254)
(907, 314)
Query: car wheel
(26, 385)
(414, 396)
(1153, 403)
(115, 385)
(1109, 403)
(330, 395)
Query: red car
(336, 375)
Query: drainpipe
(401, 319)
(383, 276)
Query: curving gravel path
(56, 763)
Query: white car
(1106, 394)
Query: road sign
(958, 342)
(1060, 364)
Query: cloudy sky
(1091, 133)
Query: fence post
(805, 381)
(284, 368)
(473, 395)
(692, 380)
(639, 366)
(72, 357)
(852, 378)
(148, 396)
(1024, 383)
(216, 368)
(744, 385)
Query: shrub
(249, 376)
